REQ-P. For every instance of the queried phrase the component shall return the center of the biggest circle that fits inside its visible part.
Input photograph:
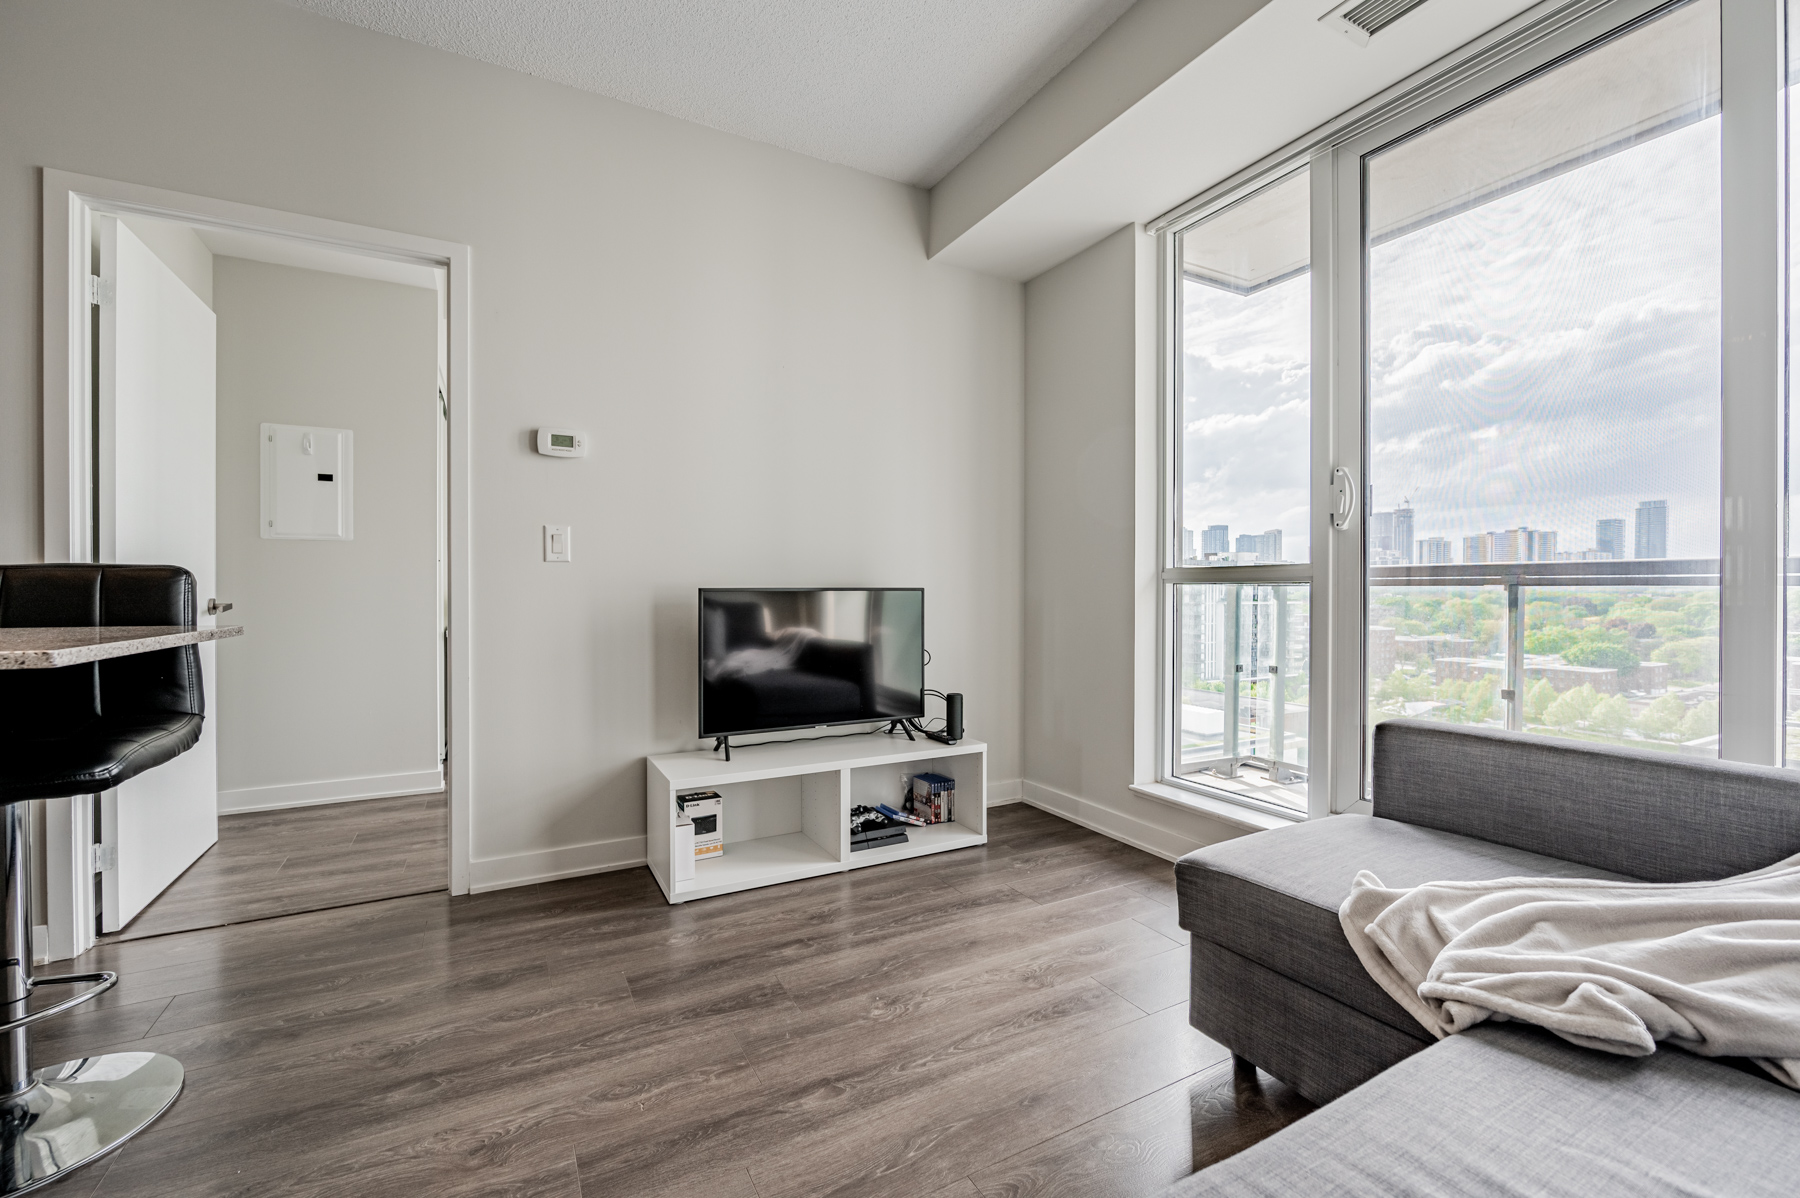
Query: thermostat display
(562, 443)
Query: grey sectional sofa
(1275, 980)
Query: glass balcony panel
(1241, 703)
(1634, 666)
(1437, 653)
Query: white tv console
(787, 807)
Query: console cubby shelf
(787, 807)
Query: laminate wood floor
(270, 863)
(1000, 1021)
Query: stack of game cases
(933, 798)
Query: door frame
(70, 201)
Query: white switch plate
(306, 483)
(556, 543)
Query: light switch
(556, 543)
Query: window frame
(1753, 448)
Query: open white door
(155, 477)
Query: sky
(1547, 359)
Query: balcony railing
(1662, 572)
(1516, 576)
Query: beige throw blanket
(1711, 966)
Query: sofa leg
(1242, 1069)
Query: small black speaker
(953, 716)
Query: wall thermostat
(562, 443)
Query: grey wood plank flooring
(1001, 1021)
(271, 863)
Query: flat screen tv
(772, 660)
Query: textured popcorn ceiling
(902, 89)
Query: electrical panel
(306, 483)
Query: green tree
(1549, 640)
(1605, 650)
(1696, 658)
(1701, 614)
(1572, 707)
(1610, 715)
(1538, 699)
(1662, 717)
(1480, 707)
(1702, 720)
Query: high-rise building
(1187, 545)
(1510, 545)
(1202, 634)
(1266, 547)
(1609, 538)
(1433, 551)
(1215, 539)
(1391, 536)
(1381, 531)
(1652, 539)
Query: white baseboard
(999, 794)
(334, 790)
(548, 865)
(1128, 829)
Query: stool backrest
(121, 688)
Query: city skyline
(1391, 543)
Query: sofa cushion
(1509, 1109)
(1274, 896)
(1647, 813)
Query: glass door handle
(1343, 498)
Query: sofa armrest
(1642, 813)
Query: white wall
(333, 691)
(1090, 548)
(780, 387)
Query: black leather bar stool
(80, 730)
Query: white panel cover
(306, 493)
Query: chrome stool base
(78, 1111)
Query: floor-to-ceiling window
(1478, 443)
(1238, 698)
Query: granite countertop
(47, 648)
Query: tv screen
(777, 659)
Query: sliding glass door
(1505, 444)
(1544, 401)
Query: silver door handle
(1343, 498)
(214, 607)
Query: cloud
(1548, 359)
(1556, 364)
